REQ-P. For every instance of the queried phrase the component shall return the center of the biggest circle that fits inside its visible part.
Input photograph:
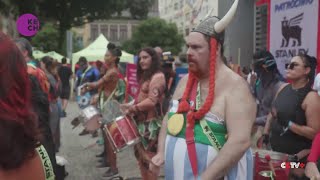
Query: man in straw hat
(207, 131)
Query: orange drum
(122, 133)
(262, 161)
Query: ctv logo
(292, 165)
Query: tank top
(288, 107)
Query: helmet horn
(225, 21)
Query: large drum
(91, 118)
(122, 133)
(263, 159)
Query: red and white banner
(293, 27)
(132, 85)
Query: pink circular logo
(28, 25)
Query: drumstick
(268, 158)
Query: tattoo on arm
(156, 92)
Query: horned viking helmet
(212, 26)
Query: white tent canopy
(37, 54)
(96, 51)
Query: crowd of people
(202, 128)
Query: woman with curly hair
(148, 108)
(21, 154)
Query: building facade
(261, 27)
(239, 41)
(8, 25)
(116, 30)
(186, 13)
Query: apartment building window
(104, 30)
(94, 31)
(176, 6)
(261, 17)
(114, 32)
(123, 32)
(181, 4)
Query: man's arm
(240, 116)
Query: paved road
(82, 161)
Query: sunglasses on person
(291, 65)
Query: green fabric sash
(220, 131)
(46, 163)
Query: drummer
(199, 150)
(85, 74)
(147, 109)
(110, 83)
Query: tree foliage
(66, 13)
(46, 40)
(139, 8)
(155, 32)
(70, 13)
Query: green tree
(139, 8)
(46, 40)
(155, 32)
(70, 13)
(66, 13)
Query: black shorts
(65, 92)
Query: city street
(82, 161)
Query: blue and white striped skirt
(178, 167)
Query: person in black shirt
(65, 73)
(295, 113)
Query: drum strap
(46, 163)
(191, 147)
(84, 74)
(102, 103)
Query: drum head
(273, 154)
(89, 112)
(84, 101)
(111, 110)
